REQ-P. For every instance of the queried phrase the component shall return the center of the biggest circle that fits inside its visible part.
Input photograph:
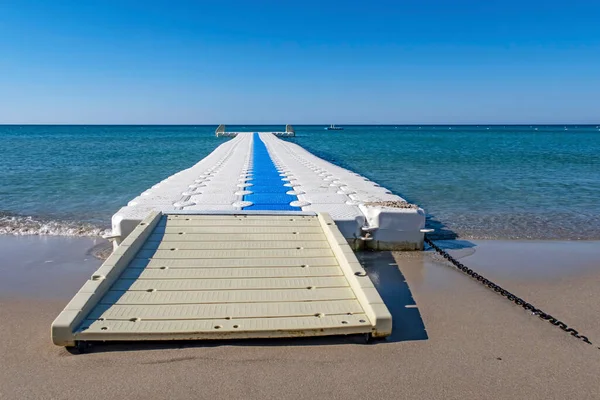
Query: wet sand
(461, 341)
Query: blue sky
(209, 62)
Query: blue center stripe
(268, 192)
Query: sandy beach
(461, 341)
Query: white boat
(332, 127)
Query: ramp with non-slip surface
(208, 276)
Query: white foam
(27, 225)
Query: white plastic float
(360, 208)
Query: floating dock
(254, 241)
(368, 215)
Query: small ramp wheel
(79, 348)
(370, 339)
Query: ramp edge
(361, 284)
(96, 287)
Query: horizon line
(312, 124)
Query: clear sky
(210, 62)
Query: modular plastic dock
(285, 177)
(186, 275)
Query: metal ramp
(209, 276)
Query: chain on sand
(500, 290)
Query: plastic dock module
(259, 171)
(225, 276)
(268, 190)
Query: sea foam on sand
(27, 225)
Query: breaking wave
(11, 224)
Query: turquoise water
(538, 182)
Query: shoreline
(95, 231)
(516, 261)
(12, 224)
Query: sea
(475, 182)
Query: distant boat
(334, 128)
